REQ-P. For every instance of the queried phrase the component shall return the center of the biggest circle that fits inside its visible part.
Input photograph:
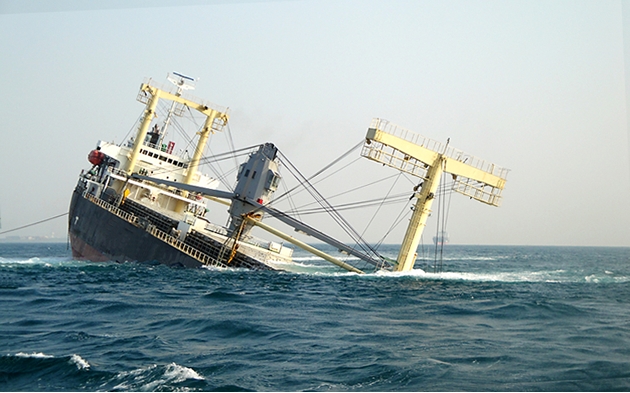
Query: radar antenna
(414, 154)
(182, 82)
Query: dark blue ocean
(497, 318)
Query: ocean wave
(35, 355)
(298, 262)
(548, 276)
(27, 371)
(324, 269)
(450, 257)
(176, 373)
(461, 276)
(429, 257)
(45, 261)
(27, 261)
(81, 363)
(316, 258)
(32, 371)
(154, 377)
(74, 359)
(444, 276)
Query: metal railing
(112, 209)
(387, 155)
(166, 238)
(433, 145)
(185, 248)
(172, 89)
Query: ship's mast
(422, 209)
(422, 157)
(182, 82)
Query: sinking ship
(145, 201)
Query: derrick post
(201, 145)
(149, 113)
(417, 222)
(194, 163)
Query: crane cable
(381, 204)
(395, 223)
(33, 224)
(304, 182)
(352, 190)
(442, 218)
(277, 198)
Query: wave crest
(156, 377)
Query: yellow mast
(149, 114)
(203, 139)
(422, 209)
(422, 157)
(194, 163)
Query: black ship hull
(100, 231)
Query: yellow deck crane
(427, 159)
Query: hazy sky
(535, 86)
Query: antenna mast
(182, 82)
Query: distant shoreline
(32, 239)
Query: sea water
(494, 318)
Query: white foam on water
(75, 359)
(137, 374)
(145, 378)
(294, 263)
(462, 258)
(174, 373)
(213, 268)
(500, 277)
(81, 363)
(592, 278)
(309, 258)
(436, 361)
(316, 258)
(524, 276)
(547, 276)
(178, 373)
(34, 261)
(421, 274)
(29, 261)
(301, 265)
(37, 355)
(410, 273)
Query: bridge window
(272, 181)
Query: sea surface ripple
(497, 318)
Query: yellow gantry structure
(151, 94)
(411, 153)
